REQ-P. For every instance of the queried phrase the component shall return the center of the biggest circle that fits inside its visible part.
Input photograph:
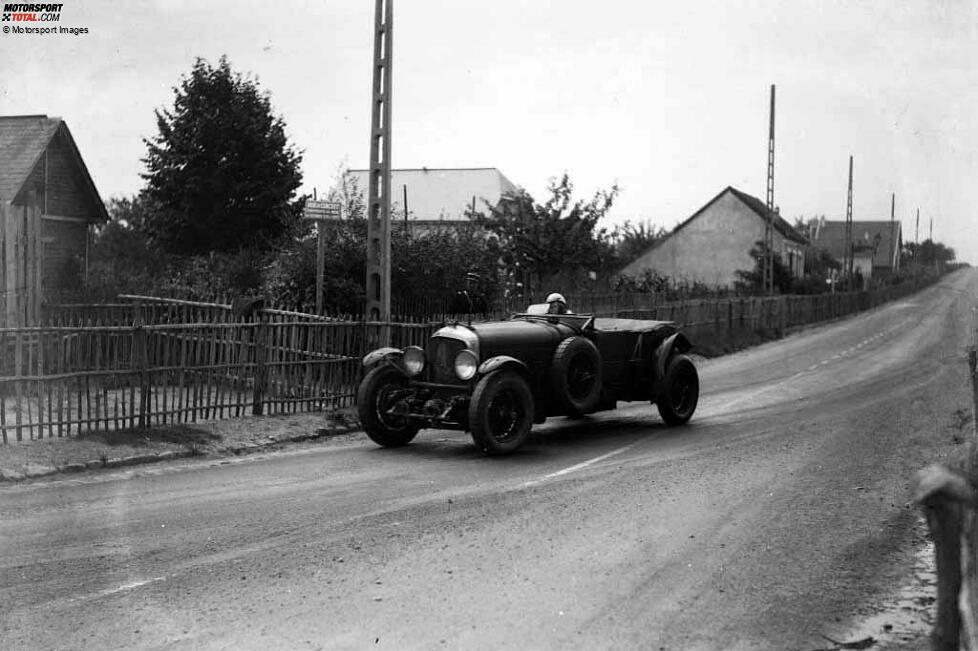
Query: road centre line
(579, 466)
(122, 588)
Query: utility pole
(405, 208)
(933, 251)
(378, 305)
(769, 225)
(893, 264)
(848, 257)
(916, 237)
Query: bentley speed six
(496, 379)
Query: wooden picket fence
(147, 361)
(63, 380)
(690, 310)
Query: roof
(442, 193)
(23, 140)
(830, 235)
(755, 204)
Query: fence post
(969, 556)
(261, 365)
(140, 361)
(18, 388)
(944, 496)
(783, 309)
(944, 521)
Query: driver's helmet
(557, 302)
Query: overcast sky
(668, 99)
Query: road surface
(776, 516)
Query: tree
(221, 167)
(928, 253)
(753, 280)
(433, 266)
(631, 240)
(121, 259)
(537, 241)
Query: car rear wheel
(682, 391)
(576, 375)
(501, 412)
(380, 390)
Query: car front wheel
(501, 412)
(682, 391)
(379, 392)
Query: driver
(557, 304)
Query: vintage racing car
(496, 379)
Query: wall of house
(715, 245)
(64, 212)
(21, 275)
(708, 249)
(63, 251)
(792, 255)
(67, 194)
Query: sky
(669, 100)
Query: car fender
(502, 361)
(375, 356)
(677, 341)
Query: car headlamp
(466, 364)
(413, 360)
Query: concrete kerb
(33, 471)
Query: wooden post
(320, 265)
(261, 370)
(783, 308)
(944, 521)
(18, 389)
(969, 555)
(140, 359)
(944, 496)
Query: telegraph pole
(916, 233)
(769, 225)
(378, 305)
(893, 264)
(848, 264)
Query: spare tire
(575, 375)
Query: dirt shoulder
(20, 460)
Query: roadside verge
(115, 449)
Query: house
(48, 203)
(439, 198)
(876, 245)
(716, 241)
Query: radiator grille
(440, 353)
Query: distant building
(439, 198)
(876, 245)
(48, 203)
(715, 242)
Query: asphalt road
(777, 515)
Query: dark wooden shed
(48, 204)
